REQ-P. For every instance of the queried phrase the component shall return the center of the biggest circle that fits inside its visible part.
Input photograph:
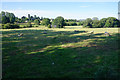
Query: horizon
(68, 10)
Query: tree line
(10, 21)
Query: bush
(10, 26)
(71, 24)
(37, 22)
(80, 23)
(36, 26)
(49, 26)
(29, 24)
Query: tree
(7, 17)
(88, 23)
(23, 18)
(42, 18)
(112, 22)
(46, 21)
(12, 17)
(66, 20)
(96, 23)
(102, 22)
(95, 18)
(29, 17)
(36, 21)
(59, 22)
(35, 17)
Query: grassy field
(61, 53)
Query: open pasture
(59, 53)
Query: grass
(61, 53)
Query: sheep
(91, 33)
(44, 32)
(21, 34)
(107, 34)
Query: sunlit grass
(61, 53)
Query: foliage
(46, 22)
(104, 22)
(59, 22)
(10, 26)
(7, 17)
(29, 24)
(112, 22)
(96, 24)
(70, 24)
(36, 21)
(95, 18)
(49, 26)
(81, 23)
(88, 23)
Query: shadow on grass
(55, 61)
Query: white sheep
(107, 34)
(91, 32)
(21, 34)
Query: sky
(68, 10)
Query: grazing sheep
(21, 34)
(107, 34)
(44, 32)
(91, 33)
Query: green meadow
(59, 53)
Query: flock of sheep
(90, 33)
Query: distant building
(119, 10)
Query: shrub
(36, 26)
(36, 21)
(71, 24)
(80, 23)
(29, 24)
(10, 26)
(49, 26)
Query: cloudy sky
(69, 10)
